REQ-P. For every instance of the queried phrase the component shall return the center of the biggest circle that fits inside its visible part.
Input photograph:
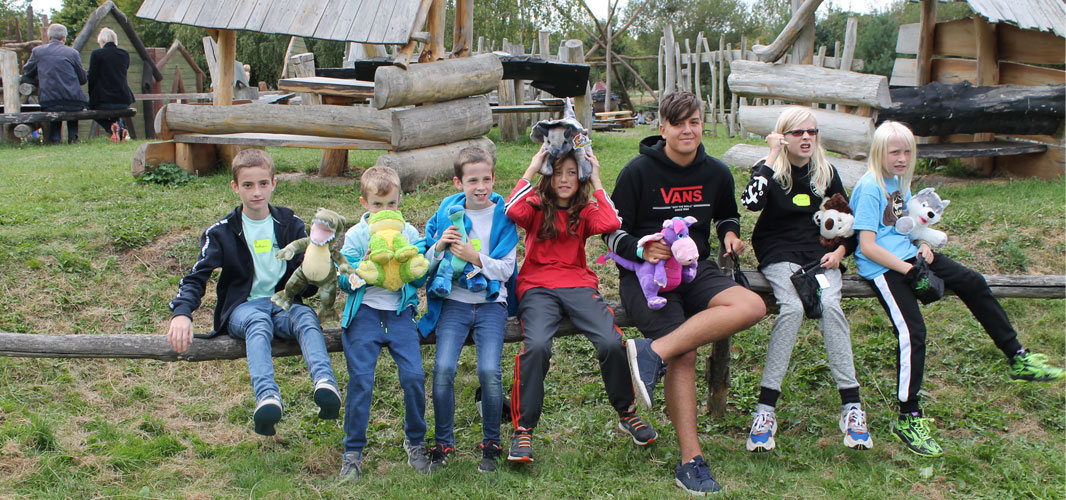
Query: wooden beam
(803, 47)
(9, 72)
(938, 109)
(403, 56)
(669, 61)
(352, 122)
(434, 50)
(926, 39)
(463, 28)
(436, 81)
(800, 19)
(51, 116)
(803, 83)
(435, 163)
(987, 74)
(441, 123)
(260, 140)
(227, 56)
(573, 52)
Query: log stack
(847, 130)
(422, 115)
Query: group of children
(671, 177)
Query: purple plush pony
(664, 276)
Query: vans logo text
(687, 194)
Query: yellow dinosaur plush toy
(391, 260)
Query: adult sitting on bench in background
(59, 74)
(108, 88)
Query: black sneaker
(267, 413)
(645, 369)
(490, 451)
(695, 477)
(521, 446)
(439, 455)
(328, 399)
(641, 432)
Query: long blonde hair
(879, 146)
(821, 170)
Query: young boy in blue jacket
(243, 245)
(456, 310)
(375, 318)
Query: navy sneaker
(521, 446)
(641, 432)
(490, 452)
(328, 399)
(645, 369)
(267, 413)
(695, 477)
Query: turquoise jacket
(356, 241)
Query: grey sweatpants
(835, 331)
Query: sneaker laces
(855, 420)
(703, 472)
(633, 421)
(1033, 360)
(762, 423)
(524, 439)
(920, 426)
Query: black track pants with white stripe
(902, 307)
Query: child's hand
(595, 176)
(450, 236)
(925, 252)
(179, 335)
(655, 251)
(465, 251)
(536, 162)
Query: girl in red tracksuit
(555, 280)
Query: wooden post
(926, 34)
(696, 63)
(607, 71)
(803, 48)
(721, 78)
(802, 18)
(9, 71)
(434, 50)
(506, 96)
(29, 22)
(987, 74)
(575, 53)
(403, 55)
(688, 72)
(463, 31)
(660, 71)
(733, 105)
(669, 61)
(718, 378)
(845, 60)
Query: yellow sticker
(262, 246)
(801, 200)
(476, 243)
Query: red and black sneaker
(439, 455)
(490, 452)
(521, 446)
(642, 433)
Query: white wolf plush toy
(563, 137)
(923, 210)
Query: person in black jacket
(674, 177)
(243, 244)
(108, 88)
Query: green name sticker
(802, 200)
(262, 246)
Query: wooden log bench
(979, 149)
(146, 346)
(55, 116)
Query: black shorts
(684, 301)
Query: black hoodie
(223, 246)
(652, 188)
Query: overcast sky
(598, 6)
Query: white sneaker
(763, 429)
(853, 425)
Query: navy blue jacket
(57, 69)
(107, 76)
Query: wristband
(640, 253)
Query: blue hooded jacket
(503, 239)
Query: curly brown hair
(549, 230)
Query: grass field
(86, 249)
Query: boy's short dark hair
(678, 106)
(472, 154)
(251, 158)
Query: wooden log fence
(222, 347)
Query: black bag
(927, 287)
(808, 288)
(731, 267)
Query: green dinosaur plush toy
(391, 260)
(318, 266)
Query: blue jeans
(487, 323)
(259, 321)
(371, 330)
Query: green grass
(86, 249)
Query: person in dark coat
(108, 88)
(59, 75)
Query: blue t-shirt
(876, 211)
(259, 234)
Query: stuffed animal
(454, 268)
(390, 260)
(835, 221)
(318, 264)
(923, 210)
(664, 276)
(563, 137)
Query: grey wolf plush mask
(564, 137)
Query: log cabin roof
(1041, 15)
(89, 31)
(364, 21)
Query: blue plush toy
(453, 268)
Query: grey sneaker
(267, 413)
(417, 456)
(351, 466)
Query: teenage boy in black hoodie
(674, 177)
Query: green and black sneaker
(913, 431)
(1033, 367)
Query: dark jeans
(55, 132)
